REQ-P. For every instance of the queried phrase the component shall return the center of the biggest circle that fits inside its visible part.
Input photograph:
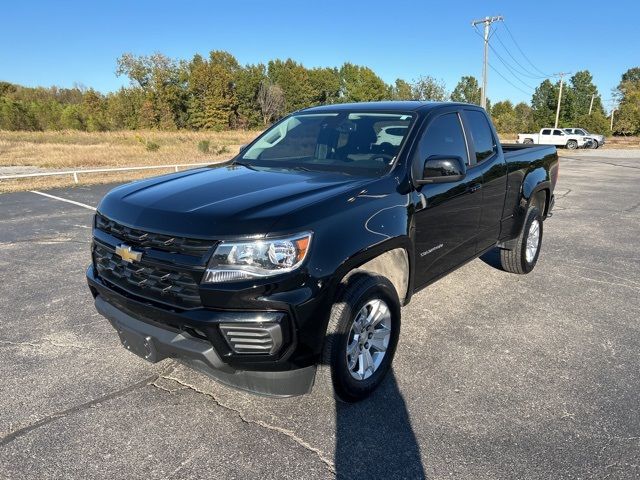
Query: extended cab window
(483, 141)
(443, 136)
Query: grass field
(31, 152)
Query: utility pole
(591, 104)
(561, 75)
(487, 21)
(612, 112)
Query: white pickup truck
(553, 136)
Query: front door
(447, 214)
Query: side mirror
(442, 169)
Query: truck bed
(521, 152)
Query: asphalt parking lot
(496, 375)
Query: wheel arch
(392, 259)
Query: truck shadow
(374, 438)
(492, 258)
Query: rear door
(546, 138)
(447, 214)
(489, 162)
(559, 137)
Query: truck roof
(399, 106)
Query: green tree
(163, 80)
(247, 85)
(504, 118)
(402, 90)
(93, 110)
(543, 105)
(293, 79)
(467, 90)
(523, 118)
(627, 117)
(361, 84)
(123, 108)
(428, 88)
(581, 83)
(325, 85)
(15, 115)
(212, 100)
(72, 118)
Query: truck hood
(222, 200)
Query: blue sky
(67, 42)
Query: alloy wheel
(533, 241)
(369, 339)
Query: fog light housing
(252, 338)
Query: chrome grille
(165, 284)
(157, 241)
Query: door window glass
(442, 137)
(483, 141)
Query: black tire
(355, 294)
(572, 144)
(528, 141)
(594, 144)
(515, 260)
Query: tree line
(217, 93)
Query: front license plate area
(139, 344)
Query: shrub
(203, 146)
(152, 146)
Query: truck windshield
(349, 142)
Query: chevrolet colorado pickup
(298, 254)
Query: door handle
(474, 188)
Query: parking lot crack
(77, 408)
(283, 431)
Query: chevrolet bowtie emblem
(127, 254)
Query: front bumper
(155, 335)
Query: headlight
(257, 258)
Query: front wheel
(362, 335)
(524, 256)
(594, 144)
(572, 144)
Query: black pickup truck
(301, 250)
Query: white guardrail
(75, 173)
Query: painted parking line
(73, 202)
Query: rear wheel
(527, 141)
(572, 144)
(361, 336)
(524, 256)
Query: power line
(507, 66)
(523, 54)
(528, 72)
(508, 81)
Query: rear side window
(443, 136)
(546, 132)
(481, 134)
